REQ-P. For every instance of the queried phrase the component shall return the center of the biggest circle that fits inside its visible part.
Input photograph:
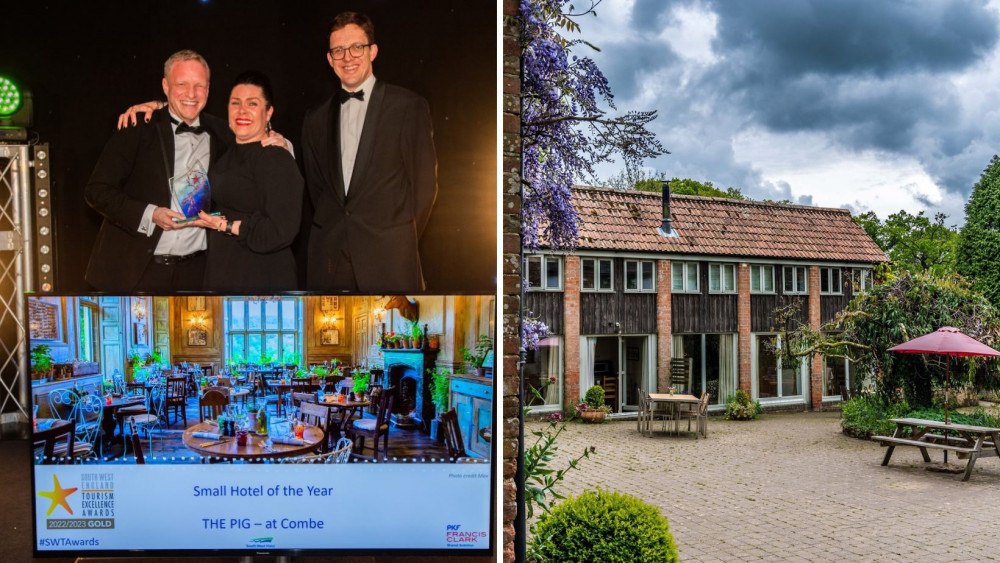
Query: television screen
(262, 425)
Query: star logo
(58, 496)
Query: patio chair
(700, 415)
(153, 417)
(62, 404)
(89, 413)
(340, 454)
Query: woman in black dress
(258, 192)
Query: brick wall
(816, 361)
(571, 326)
(743, 310)
(511, 270)
(663, 326)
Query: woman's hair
(256, 78)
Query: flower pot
(359, 396)
(593, 417)
(433, 341)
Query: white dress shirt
(352, 121)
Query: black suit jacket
(132, 172)
(379, 221)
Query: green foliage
(978, 417)
(603, 526)
(361, 380)
(867, 415)
(301, 373)
(914, 242)
(740, 407)
(290, 358)
(540, 479)
(477, 355)
(979, 243)
(41, 358)
(415, 331)
(908, 306)
(154, 357)
(320, 371)
(594, 397)
(440, 388)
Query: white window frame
(722, 280)
(640, 265)
(757, 271)
(557, 406)
(230, 333)
(543, 262)
(800, 373)
(866, 279)
(805, 279)
(827, 273)
(598, 262)
(847, 376)
(685, 267)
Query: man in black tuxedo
(140, 246)
(371, 173)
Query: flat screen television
(156, 467)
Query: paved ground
(791, 487)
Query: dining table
(673, 401)
(347, 406)
(256, 449)
(109, 419)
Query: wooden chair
(680, 373)
(317, 415)
(211, 404)
(61, 438)
(296, 399)
(373, 428)
(453, 436)
(640, 420)
(610, 385)
(700, 415)
(136, 444)
(176, 398)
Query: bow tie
(344, 95)
(185, 128)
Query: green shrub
(867, 415)
(978, 417)
(740, 407)
(594, 397)
(603, 526)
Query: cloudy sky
(870, 105)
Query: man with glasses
(143, 245)
(370, 170)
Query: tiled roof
(613, 219)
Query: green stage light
(10, 97)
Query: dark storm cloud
(856, 36)
(647, 14)
(627, 60)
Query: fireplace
(405, 369)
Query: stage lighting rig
(15, 112)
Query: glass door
(632, 370)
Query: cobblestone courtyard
(791, 487)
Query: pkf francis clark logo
(457, 537)
(91, 504)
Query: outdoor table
(256, 448)
(963, 439)
(674, 402)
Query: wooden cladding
(762, 310)
(699, 313)
(546, 306)
(634, 313)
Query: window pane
(288, 349)
(677, 276)
(271, 315)
(631, 275)
(768, 280)
(588, 274)
(824, 280)
(605, 274)
(541, 373)
(767, 368)
(729, 280)
(288, 315)
(647, 276)
(237, 351)
(236, 315)
(692, 277)
(835, 287)
(253, 348)
(253, 318)
(755, 275)
(271, 348)
(714, 277)
(534, 272)
(789, 278)
(552, 273)
(800, 276)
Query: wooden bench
(967, 442)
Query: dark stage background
(85, 62)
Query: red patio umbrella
(945, 341)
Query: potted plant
(361, 384)
(440, 396)
(593, 409)
(416, 335)
(477, 355)
(132, 364)
(41, 363)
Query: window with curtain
(543, 373)
(776, 376)
(263, 331)
(761, 279)
(684, 277)
(722, 278)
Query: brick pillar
(571, 331)
(511, 270)
(743, 324)
(664, 329)
(815, 361)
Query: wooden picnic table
(675, 401)
(965, 440)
